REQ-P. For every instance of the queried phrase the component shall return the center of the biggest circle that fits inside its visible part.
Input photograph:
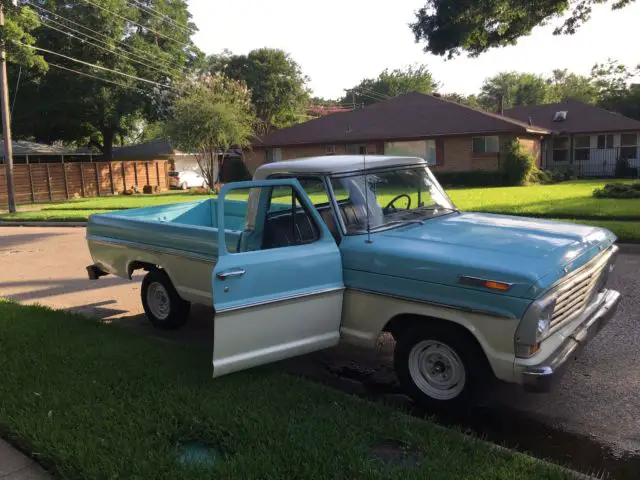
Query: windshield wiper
(397, 222)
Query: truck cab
(343, 248)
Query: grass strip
(93, 401)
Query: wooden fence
(45, 182)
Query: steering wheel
(391, 208)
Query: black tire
(477, 371)
(177, 309)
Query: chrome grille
(578, 293)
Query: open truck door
(279, 294)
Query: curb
(630, 248)
(43, 224)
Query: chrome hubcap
(437, 370)
(158, 301)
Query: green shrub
(519, 167)
(478, 178)
(618, 190)
(624, 170)
(236, 171)
(563, 173)
(545, 177)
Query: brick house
(456, 137)
(587, 137)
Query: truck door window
(276, 218)
(316, 190)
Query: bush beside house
(618, 190)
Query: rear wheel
(441, 367)
(162, 304)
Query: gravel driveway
(598, 397)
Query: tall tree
(18, 37)
(278, 87)
(516, 89)
(213, 115)
(138, 50)
(617, 89)
(468, 100)
(563, 85)
(448, 27)
(415, 78)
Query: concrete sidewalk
(16, 466)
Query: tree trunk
(108, 135)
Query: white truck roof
(335, 164)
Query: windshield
(395, 198)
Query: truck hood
(531, 254)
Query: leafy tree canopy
(531, 89)
(17, 35)
(448, 27)
(278, 86)
(149, 41)
(415, 78)
(214, 114)
(517, 89)
(617, 87)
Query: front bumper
(540, 378)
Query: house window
(274, 155)
(356, 149)
(605, 141)
(486, 144)
(629, 145)
(582, 147)
(329, 149)
(420, 148)
(560, 149)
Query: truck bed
(181, 238)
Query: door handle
(238, 272)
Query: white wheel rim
(158, 301)
(437, 370)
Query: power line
(106, 80)
(134, 23)
(78, 32)
(167, 18)
(100, 67)
(129, 49)
(382, 96)
(372, 98)
(15, 93)
(103, 48)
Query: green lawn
(562, 200)
(92, 401)
(568, 200)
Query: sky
(337, 43)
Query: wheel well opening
(138, 265)
(403, 322)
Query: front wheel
(164, 307)
(440, 367)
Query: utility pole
(6, 117)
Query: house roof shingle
(409, 116)
(581, 118)
(25, 147)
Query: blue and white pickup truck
(342, 248)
